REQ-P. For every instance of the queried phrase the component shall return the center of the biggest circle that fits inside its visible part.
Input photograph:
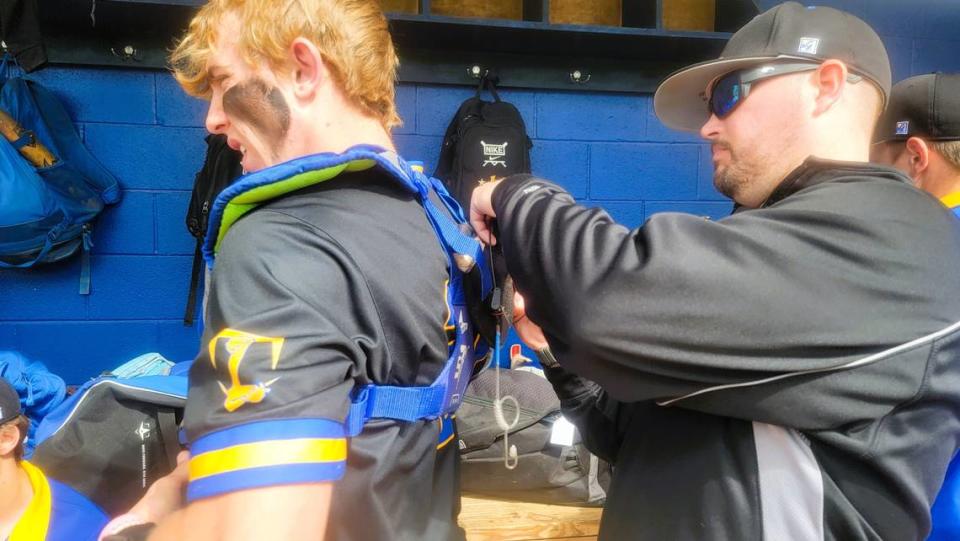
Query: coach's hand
(481, 212)
(528, 331)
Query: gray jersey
(327, 289)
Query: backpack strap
(446, 393)
(441, 397)
(86, 244)
(448, 200)
(489, 81)
(52, 237)
(194, 284)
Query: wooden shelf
(432, 48)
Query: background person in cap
(788, 372)
(32, 506)
(919, 134)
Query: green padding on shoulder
(360, 165)
(231, 214)
(249, 200)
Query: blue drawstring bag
(40, 390)
(46, 213)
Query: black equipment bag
(484, 141)
(220, 168)
(546, 472)
(113, 438)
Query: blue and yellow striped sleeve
(266, 453)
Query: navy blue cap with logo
(9, 402)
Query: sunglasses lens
(725, 95)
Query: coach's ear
(829, 80)
(918, 156)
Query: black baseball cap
(925, 106)
(9, 402)
(788, 32)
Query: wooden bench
(499, 520)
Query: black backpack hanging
(484, 141)
(220, 168)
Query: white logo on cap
(809, 45)
(903, 127)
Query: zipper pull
(86, 245)
(87, 239)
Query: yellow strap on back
(32, 526)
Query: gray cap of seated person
(788, 32)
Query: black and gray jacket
(786, 373)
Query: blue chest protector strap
(373, 401)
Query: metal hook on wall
(476, 71)
(479, 71)
(128, 52)
(579, 77)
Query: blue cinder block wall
(609, 150)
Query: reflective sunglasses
(731, 89)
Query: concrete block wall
(609, 150)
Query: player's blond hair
(352, 37)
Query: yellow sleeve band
(267, 453)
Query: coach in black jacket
(790, 372)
